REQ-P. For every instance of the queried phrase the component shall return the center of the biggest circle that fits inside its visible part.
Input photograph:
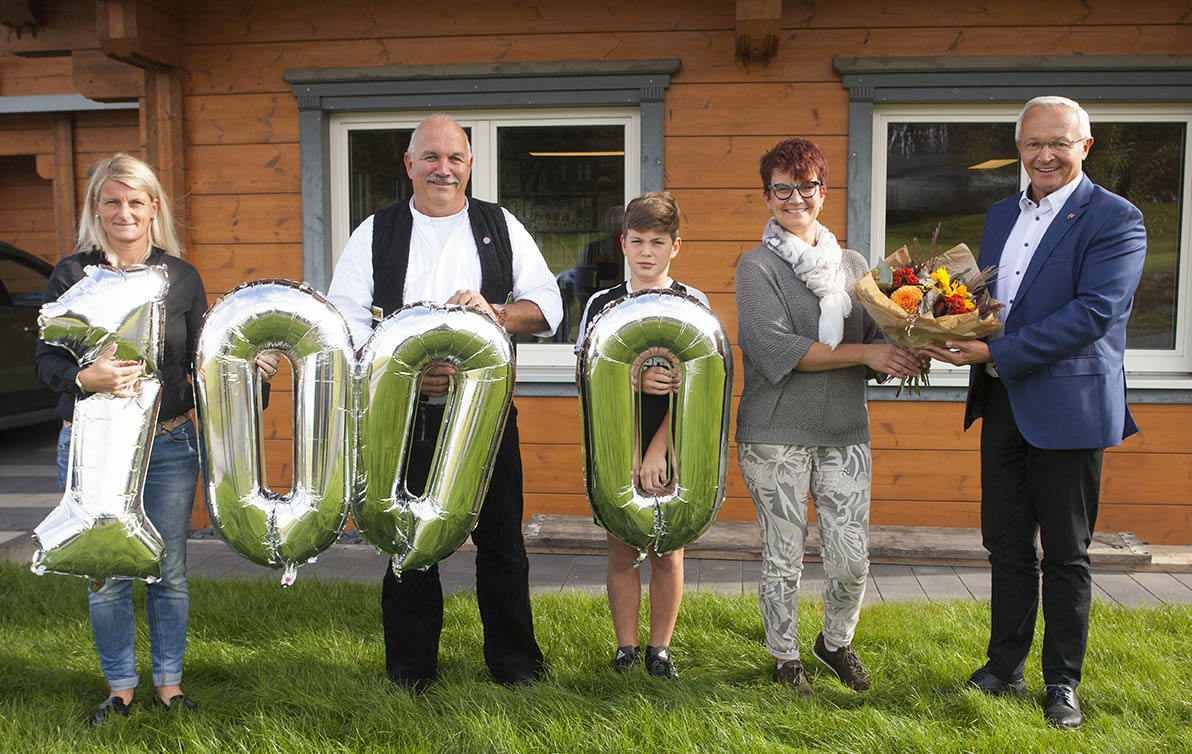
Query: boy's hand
(651, 475)
(658, 380)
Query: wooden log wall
(243, 179)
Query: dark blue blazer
(1061, 355)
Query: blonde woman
(126, 221)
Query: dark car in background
(23, 278)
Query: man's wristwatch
(499, 310)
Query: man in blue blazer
(1051, 388)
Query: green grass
(300, 670)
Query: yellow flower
(961, 290)
(908, 297)
(943, 280)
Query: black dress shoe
(111, 707)
(177, 702)
(1062, 707)
(986, 682)
(415, 684)
(528, 678)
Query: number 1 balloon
(680, 330)
(99, 529)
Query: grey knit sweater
(777, 321)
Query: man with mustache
(445, 248)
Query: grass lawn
(301, 671)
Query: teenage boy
(649, 241)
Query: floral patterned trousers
(779, 478)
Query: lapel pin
(488, 240)
(1070, 216)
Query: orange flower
(908, 297)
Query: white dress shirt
(1033, 222)
(443, 260)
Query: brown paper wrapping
(896, 322)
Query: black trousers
(1030, 493)
(412, 606)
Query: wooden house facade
(273, 124)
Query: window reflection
(566, 184)
(946, 174)
(1144, 162)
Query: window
(947, 164)
(565, 174)
(565, 200)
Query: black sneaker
(791, 673)
(844, 663)
(625, 659)
(659, 664)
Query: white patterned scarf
(820, 270)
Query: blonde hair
(134, 173)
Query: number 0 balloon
(351, 426)
(679, 329)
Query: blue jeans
(168, 494)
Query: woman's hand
(104, 375)
(657, 380)
(892, 359)
(651, 475)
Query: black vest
(392, 227)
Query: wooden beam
(104, 79)
(66, 25)
(759, 23)
(141, 33)
(22, 14)
(64, 183)
(162, 139)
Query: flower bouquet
(944, 296)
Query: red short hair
(799, 158)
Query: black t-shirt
(186, 303)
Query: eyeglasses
(1057, 146)
(784, 191)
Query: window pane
(566, 184)
(1144, 162)
(946, 174)
(377, 171)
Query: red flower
(905, 276)
(957, 304)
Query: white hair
(1053, 102)
(437, 116)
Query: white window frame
(536, 362)
(1176, 362)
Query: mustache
(442, 180)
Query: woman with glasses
(802, 424)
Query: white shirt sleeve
(698, 294)
(351, 287)
(532, 278)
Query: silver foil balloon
(681, 330)
(280, 531)
(419, 531)
(100, 529)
